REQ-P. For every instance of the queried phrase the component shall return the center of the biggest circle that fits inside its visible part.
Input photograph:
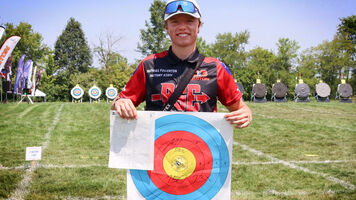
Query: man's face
(183, 30)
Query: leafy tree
(347, 28)
(154, 38)
(259, 61)
(120, 73)
(287, 54)
(30, 43)
(230, 48)
(347, 36)
(71, 56)
(72, 53)
(328, 58)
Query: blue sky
(309, 22)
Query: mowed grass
(74, 164)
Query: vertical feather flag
(2, 29)
(39, 75)
(8, 73)
(19, 74)
(29, 81)
(7, 49)
(26, 73)
(33, 82)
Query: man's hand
(125, 108)
(240, 115)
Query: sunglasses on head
(185, 6)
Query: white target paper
(132, 141)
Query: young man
(157, 75)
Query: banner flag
(26, 71)
(8, 68)
(19, 74)
(33, 81)
(8, 74)
(2, 30)
(192, 157)
(29, 76)
(7, 49)
(39, 75)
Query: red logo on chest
(190, 99)
(201, 75)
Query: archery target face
(280, 90)
(345, 90)
(322, 89)
(192, 160)
(260, 90)
(77, 92)
(111, 92)
(94, 92)
(302, 90)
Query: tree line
(70, 62)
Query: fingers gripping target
(77, 92)
(191, 160)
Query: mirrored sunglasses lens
(186, 7)
(172, 7)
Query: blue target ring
(77, 92)
(111, 92)
(216, 144)
(94, 92)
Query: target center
(179, 163)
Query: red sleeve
(135, 88)
(228, 92)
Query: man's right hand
(125, 108)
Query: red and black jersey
(157, 75)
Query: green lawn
(282, 155)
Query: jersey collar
(193, 58)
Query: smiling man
(158, 75)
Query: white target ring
(94, 92)
(111, 92)
(77, 92)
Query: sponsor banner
(19, 74)
(26, 73)
(7, 49)
(2, 30)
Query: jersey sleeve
(228, 92)
(135, 88)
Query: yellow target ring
(179, 163)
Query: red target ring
(195, 145)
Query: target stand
(279, 92)
(322, 92)
(302, 93)
(25, 95)
(77, 93)
(94, 93)
(259, 92)
(110, 93)
(344, 93)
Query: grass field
(290, 151)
